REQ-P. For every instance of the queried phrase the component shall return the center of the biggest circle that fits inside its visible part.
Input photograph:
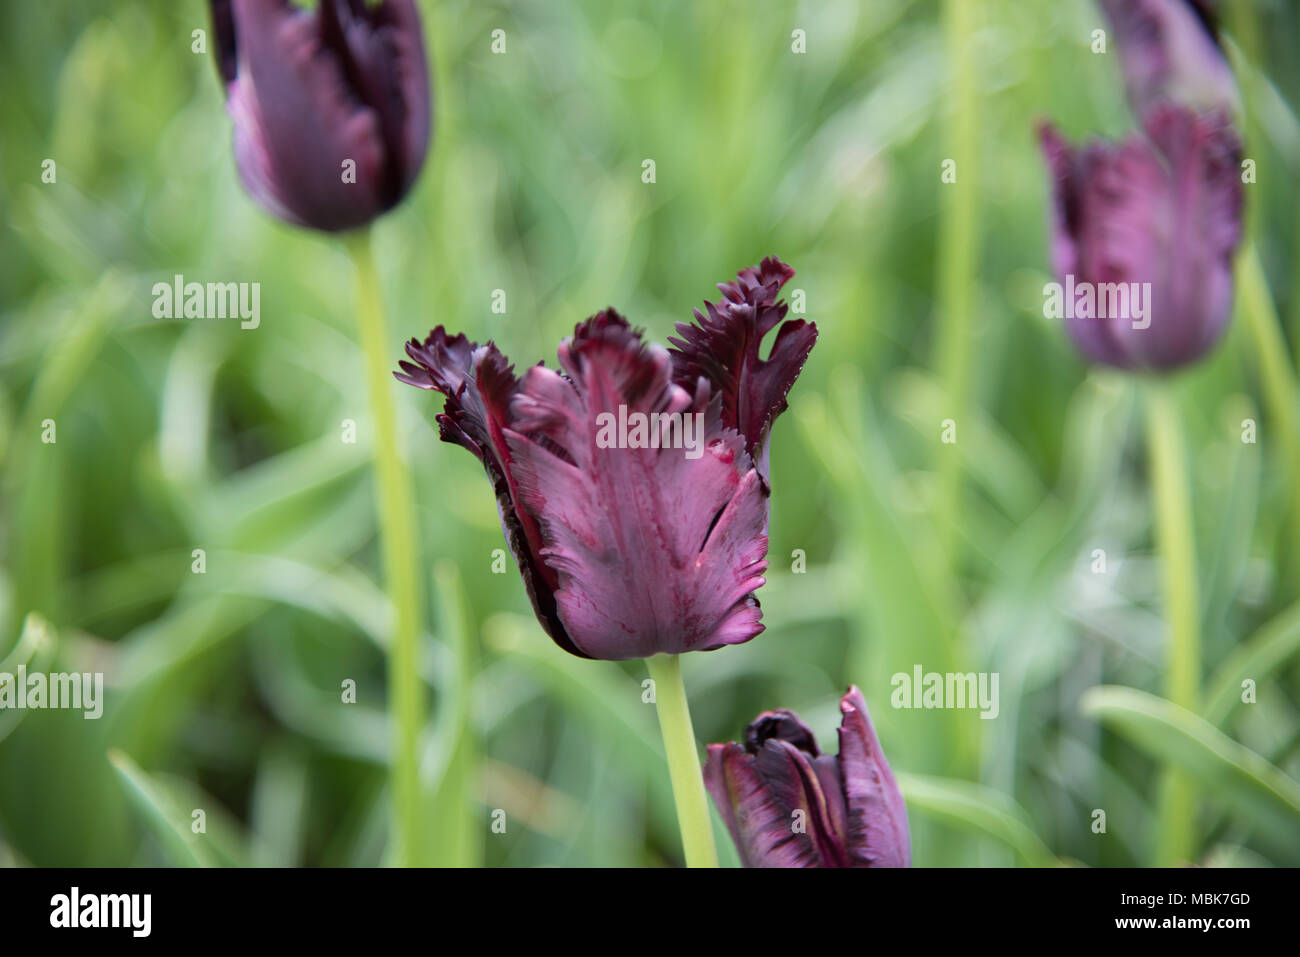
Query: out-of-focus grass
(225, 687)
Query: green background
(224, 688)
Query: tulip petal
(479, 385)
(656, 551)
(877, 833)
(758, 795)
(782, 803)
(722, 346)
(1164, 211)
(223, 32)
(330, 107)
(296, 120)
(1169, 52)
(382, 53)
(782, 725)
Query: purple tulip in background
(629, 551)
(331, 108)
(1169, 51)
(853, 813)
(1159, 215)
(1163, 210)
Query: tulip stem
(1176, 824)
(394, 501)
(958, 254)
(1278, 379)
(683, 761)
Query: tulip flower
(632, 541)
(1158, 216)
(331, 108)
(788, 805)
(1155, 220)
(1170, 53)
(331, 112)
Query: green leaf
(1256, 658)
(36, 643)
(598, 694)
(977, 808)
(1262, 794)
(159, 813)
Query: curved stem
(1176, 836)
(395, 505)
(683, 761)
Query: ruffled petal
(722, 347)
(656, 551)
(480, 385)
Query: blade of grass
(1259, 656)
(456, 836)
(159, 814)
(1279, 381)
(1261, 793)
(958, 252)
(979, 809)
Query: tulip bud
(632, 484)
(1144, 234)
(788, 805)
(331, 108)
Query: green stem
(1176, 835)
(957, 256)
(396, 509)
(683, 761)
(1277, 377)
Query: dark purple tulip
(308, 91)
(628, 552)
(853, 814)
(1163, 209)
(1170, 52)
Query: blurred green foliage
(224, 688)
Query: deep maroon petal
(796, 786)
(722, 346)
(479, 384)
(1063, 164)
(223, 32)
(782, 725)
(382, 53)
(877, 817)
(1170, 53)
(309, 90)
(787, 806)
(758, 797)
(656, 551)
